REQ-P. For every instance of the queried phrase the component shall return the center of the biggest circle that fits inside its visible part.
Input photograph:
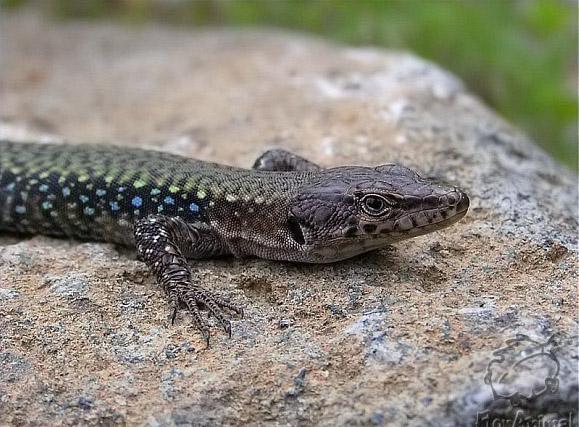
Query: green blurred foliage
(520, 56)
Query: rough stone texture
(401, 336)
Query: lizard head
(345, 211)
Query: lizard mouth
(434, 220)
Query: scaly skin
(173, 208)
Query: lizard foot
(194, 297)
(161, 242)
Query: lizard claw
(174, 314)
(194, 296)
(174, 297)
(228, 329)
(206, 334)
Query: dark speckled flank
(98, 192)
(68, 205)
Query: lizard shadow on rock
(258, 281)
(395, 269)
(8, 238)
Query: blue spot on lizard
(137, 202)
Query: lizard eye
(375, 205)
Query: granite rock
(401, 336)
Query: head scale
(351, 210)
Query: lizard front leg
(282, 160)
(163, 243)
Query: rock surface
(401, 336)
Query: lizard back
(97, 192)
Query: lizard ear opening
(295, 230)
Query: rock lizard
(173, 208)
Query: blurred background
(519, 56)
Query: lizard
(173, 209)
